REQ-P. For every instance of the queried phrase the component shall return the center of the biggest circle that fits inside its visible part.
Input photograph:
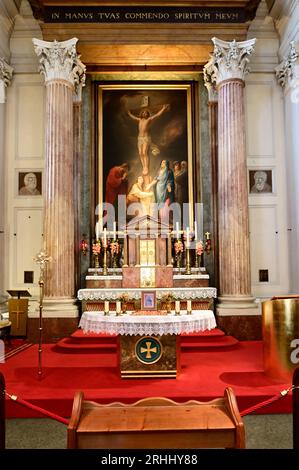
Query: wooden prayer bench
(156, 423)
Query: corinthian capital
(285, 71)
(230, 59)
(60, 61)
(210, 79)
(5, 78)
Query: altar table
(148, 344)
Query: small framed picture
(260, 181)
(30, 183)
(148, 300)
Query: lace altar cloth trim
(170, 324)
(135, 294)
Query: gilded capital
(230, 59)
(285, 71)
(5, 78)
(60, 61)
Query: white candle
(195, 230)
(106, 307)
(177, 229)
(189, 306)
(188, 237)
(118, 306)
(97, 231)
(105, 236)
(177, 306)
(114, 230)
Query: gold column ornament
(42, 259)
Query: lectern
(18, 312)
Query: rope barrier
(62, 420)
(27, 404)
(281, 394)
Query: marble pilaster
(287, 74)
(228, 66)
(77, 122)
(63, 70)
(209, 81)
(5, 80)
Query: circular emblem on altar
(148, 350)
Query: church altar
(130, 324)
(144, 299)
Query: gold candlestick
(105, 269)
(188, 267)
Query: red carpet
(204, 376)
(15, 346)
(213, 339)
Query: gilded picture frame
(166, 110)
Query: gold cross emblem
(148, 350)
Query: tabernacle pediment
(145, 224)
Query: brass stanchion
(42, 259)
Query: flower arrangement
(199, 248)
(114, 247)
(178, 247)
(83, 246)
(167, 299)
(208, 246)
(96, 248)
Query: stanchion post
(42, 259)
(296, 409)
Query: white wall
(24, 153)
(24, 148)
(268, 217)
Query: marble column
(229, 65)
(77, 122)
(62, 70)
(288, 77)
(5, 80)
(213, 128)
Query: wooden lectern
(18, 312)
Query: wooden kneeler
(156, 423)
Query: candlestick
(189, 307)
(188, 265)
(97, 231)
(106, 307)
(118, 307)
(105, 270)
(177, 307)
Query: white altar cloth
(127, 324)
(179, 293)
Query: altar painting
(145, 145)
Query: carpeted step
(79, 334)
(94, 344)
(207, 335)
(209, 339)
(208, 343)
